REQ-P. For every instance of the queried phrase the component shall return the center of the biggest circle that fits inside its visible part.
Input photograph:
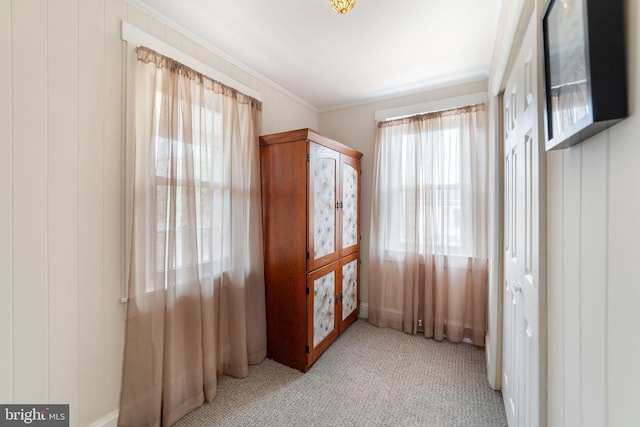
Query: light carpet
(368, 377)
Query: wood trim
(310, 135)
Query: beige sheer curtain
(428, 248)
(196, 286)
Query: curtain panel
(428, 242)
(196, 305)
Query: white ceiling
(380, 48)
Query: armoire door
(521, 333)
(349, 205)
(350, 291)
(323, 286)
(324, 221)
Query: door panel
(324, 291)
(350, 204)
(349, 294)
(349, 288)
(323, 208)
(521, 344)
(322, 324)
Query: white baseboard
(109, 420)
(364, 310)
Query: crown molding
(217, 51)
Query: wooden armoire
(311, 222)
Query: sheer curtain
(196, 286)
(428, 247)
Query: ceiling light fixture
(343, 6)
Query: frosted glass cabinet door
(324, 309)
(323, 212)
(349, 204)
(349, 286)
(323, 287)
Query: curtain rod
(428, 107)
(138, 37)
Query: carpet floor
(368, 377)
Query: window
(429, 183)
(195, 278)
(199, 193)
(428, 251)
(206, 187)
(436, 197)
(193, 179)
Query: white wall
(355, 127)
(593, 286)
(61, 199)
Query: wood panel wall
(593, 258)
(62, 264)
(62, 201)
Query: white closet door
(521, 341)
